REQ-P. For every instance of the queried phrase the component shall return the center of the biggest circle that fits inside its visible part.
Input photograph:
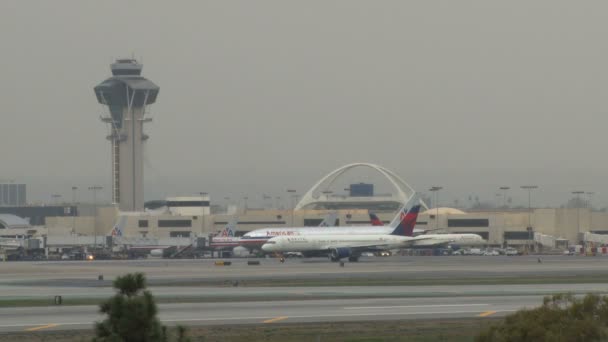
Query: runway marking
(276, 319)
(409, 306)
(254, 318)
(486, 314)
(42, 327)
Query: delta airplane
(375, 220)
(435, 240)
(344, 245)
(340, 246)
(259, 236)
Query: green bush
(562, 317)
(131, 314)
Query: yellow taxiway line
(42, 327)
(276, 319)
(486, 314)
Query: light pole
(435, 191)
(94, 189)
(55, 198)
(529, 228)
(504, 195)
(245, 203)
(74, 188)
(227, 199)
(293, 205)
(578, 207)
(203, 194)
(590, 194)
(277, 199)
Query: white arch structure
(404, 190)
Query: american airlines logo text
(281, 233)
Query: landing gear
(353, 258)
(334, 259)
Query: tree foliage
(562, 317)
(131, 314)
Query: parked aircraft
(226, 238)
(341, 245)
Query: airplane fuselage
(307, 243)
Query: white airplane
(340, 246)
(344, 245)
(226, 238)
(259, 236)
(436, 240)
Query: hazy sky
(260, 96)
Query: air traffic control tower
(127, 94)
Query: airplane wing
(428, 241)
(376, 245)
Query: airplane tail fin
(405, 221)
(329, 220)
(408, 222)
(230, 228)
(415, 199)
(119, 226)
(375, 220)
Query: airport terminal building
(191, 217)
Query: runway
(183, 272)
(197, 292)
(82, 317)
(208, 294)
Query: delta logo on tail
(407, 222)
(375, 220)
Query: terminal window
(143, 223)
(174, 223)
(484, 235)
(521, 235)
(179, 234)
(312, 222)
(468, 223)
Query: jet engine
(335, 254)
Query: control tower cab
(126, 94)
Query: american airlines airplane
(259, 236)
(226, 238)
